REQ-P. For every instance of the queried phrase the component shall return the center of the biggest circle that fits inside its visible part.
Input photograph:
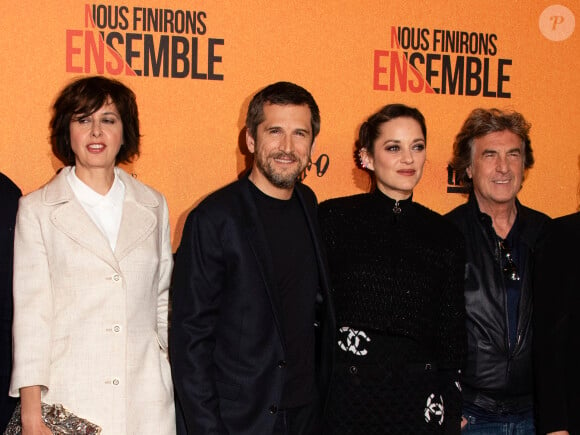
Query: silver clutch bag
(59, 420)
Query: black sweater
(399, 273)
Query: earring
(362, 162)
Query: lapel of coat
(312, 222)
(70, 218)
(261, 250)
(138, 220)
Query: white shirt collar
(89, 197)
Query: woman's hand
(36, 427)
(31, 412)
(463, 422)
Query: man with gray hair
(491, 153)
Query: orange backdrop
(352, 56)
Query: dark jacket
(226, 339)
(9, 195)
(556, 324)
(495, 378)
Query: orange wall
(191, 127)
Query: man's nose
(502, 164)
(286, 144)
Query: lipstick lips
(96, 147)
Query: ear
(468, 172)
(250, 142)
(366, 159)
(312, 147)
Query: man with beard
(252, 323)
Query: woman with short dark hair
(92, 265)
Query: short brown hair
(281, 93)
(481, 122)
(85, 96)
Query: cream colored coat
(90, 324)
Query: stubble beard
(282, 180)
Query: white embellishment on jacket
(353, 341)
